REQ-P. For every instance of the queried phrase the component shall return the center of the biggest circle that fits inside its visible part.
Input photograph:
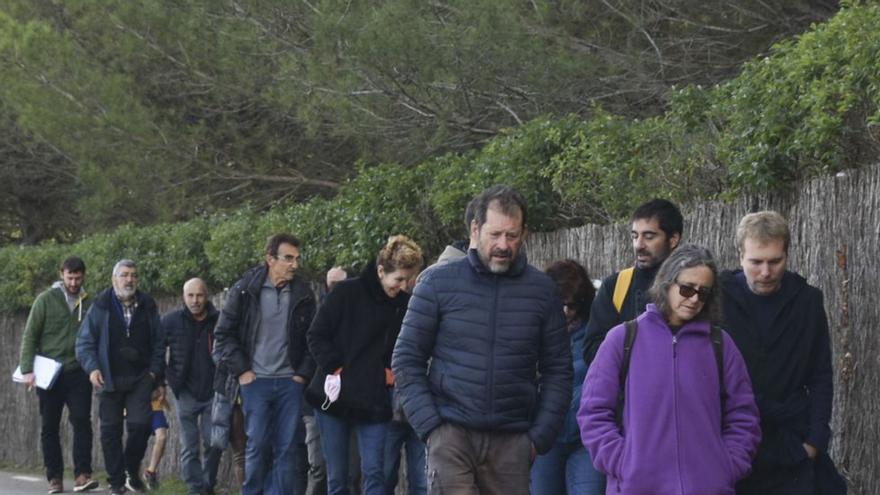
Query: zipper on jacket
(490, 370)
(676, 415)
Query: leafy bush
(811, 107)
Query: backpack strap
(624, 280)
(717, 336)
(632, 328)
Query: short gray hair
(684, 257)
(123, 263)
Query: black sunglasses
(687, 292)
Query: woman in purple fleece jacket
(678, 435)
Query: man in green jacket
(51, 332)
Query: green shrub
(811, 107)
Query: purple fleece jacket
(676, 439)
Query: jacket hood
(516, 268)
(82, 294)
(792, 285)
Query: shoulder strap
(632, 328)
(624, 280)
(717, 337)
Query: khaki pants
(464, 461)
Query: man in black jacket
(779, 324)
(261, 339)
(121, 345)
(190, 373)
(656, 230)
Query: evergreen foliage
(810, 107)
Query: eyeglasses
(687, 292)
(289, 258)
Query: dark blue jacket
(93, 340)
(486, 336)
(571, 432)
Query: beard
(498, 260)
(125, 292)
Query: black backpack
(632, 328)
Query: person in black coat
(351, 339)
(189, 331)
(778, 322)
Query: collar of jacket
(653, 315)
(647, 273)
(253, 279)
(792, 284)
(144, 301)
(211, 312)
(516, 268)
(370, 277)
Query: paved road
(12, 483)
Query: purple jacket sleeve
(740, 428)
(596, 415)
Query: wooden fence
(835, 244)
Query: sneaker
(84, 483)
(135, 484)
(117, 490)
(56, 485)
(152, 479)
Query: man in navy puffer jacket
(499, 381)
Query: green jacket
(51, 329)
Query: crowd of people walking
(491, 375)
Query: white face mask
(332, 385)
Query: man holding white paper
(51, 331)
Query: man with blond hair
(779, 324)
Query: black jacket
(790, 368)
(235, 335)
(180, 335)
(603, 314)
(355, 329)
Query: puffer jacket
(180, 335)
(235, 334)
(679, 436)
(486, 335)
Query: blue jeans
(271, 413)
(195, 421)
(566, 468)
(401, 434)
(371, 443)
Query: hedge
(810, 107)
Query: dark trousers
(73, 389)
(131, 407)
